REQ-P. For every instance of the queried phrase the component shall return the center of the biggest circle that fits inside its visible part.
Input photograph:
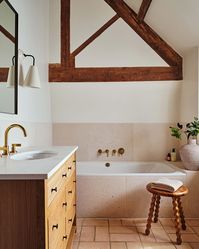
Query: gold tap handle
(14, 146)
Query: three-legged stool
(177, 208)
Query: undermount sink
(33, 155)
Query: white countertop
(35, 169)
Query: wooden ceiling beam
(168, 54)
(143, 10)
(95, 35)
(58, 73)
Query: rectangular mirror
(8, 58)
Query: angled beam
(143, 10)
(95, 35)
(146, 33)
(57, 73)
(7, 34)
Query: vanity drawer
(70, 215)
(56, 231)
(58, 205)
(55, 183)
(70, 187)
(70, 164)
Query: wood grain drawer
(56, 231)
(70, 214)
(58, 205)
(70, 188)
(70, 164)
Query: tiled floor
(129, 234)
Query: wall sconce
(32, 78)
(11, 74)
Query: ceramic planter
(189, 154)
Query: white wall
(115, 102)
(189, 89)
(34, 104)
(117, 46)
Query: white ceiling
(176, 21)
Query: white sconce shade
(11, 77)
(32, 78)
(21, 75)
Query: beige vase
(189, 154)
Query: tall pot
(189, 154)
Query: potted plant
(189, 153)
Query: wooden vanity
(39, 213)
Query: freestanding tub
(117, 189)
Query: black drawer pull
(70, 220)
(74, 161)
(64, 204)
(54, 189)
(74, 181)
(64, 175)
(70, 192)
(65, 237)
(69, 168)
(55, 227)
(74, 205)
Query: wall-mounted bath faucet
(114, 152)
(99, 152)
(107, 152)
(120, 152)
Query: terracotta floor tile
(115, 222)
(95, 222)
(140, 222)
(194, 245)
(158, 246)
(183, 246)
(193, 222)
(196, 230)
(187, 237)
(134, 245)
(122, 229)
(160, 235)
(124, 237)
(75, 245)
(87, 234)
(102, 234)
(128, 222)
(79, 222)
(118, 245)
(171, 229)
(94, 245)
(77, 236)
(166, 221)
(145, 238)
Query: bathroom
(108, 113)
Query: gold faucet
(5, 148)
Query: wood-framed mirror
(8, 58)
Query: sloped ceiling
(176, 21)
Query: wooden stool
(177, 208)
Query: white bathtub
(120, 190)
(127, 168)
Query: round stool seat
(177, 208)
(179, 192)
